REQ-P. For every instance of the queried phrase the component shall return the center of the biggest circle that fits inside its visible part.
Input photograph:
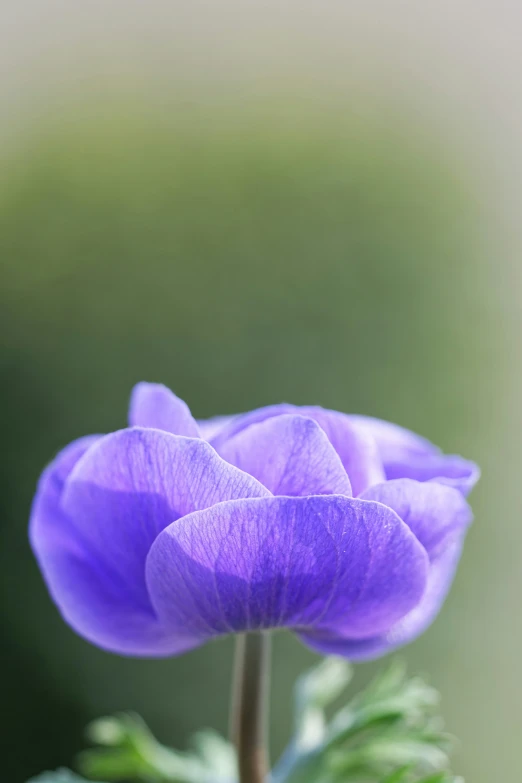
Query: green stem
(250, 706)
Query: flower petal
(209, 428)
(87, 600)
(440, 578)
(439, 516)
(407, 455)
(323, 562)
(153, 405)
(121, 493)
(432, 511)
(393, 440)
(290, 455)
(354, 445)
(46, 523)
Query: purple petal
(84, 595)
(440, 578)
(121, 493)
(432, 511)
(327, 562)
(393, 440)
(210, 428)
(407, 455)
(354, 445)
(290, 455)
(46, 523)
(153, 405)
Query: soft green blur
(243, 257)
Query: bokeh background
(255, 202)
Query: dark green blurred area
(242, 257)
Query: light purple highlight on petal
(47, 524)
(394, 440)
(120, 494)
(331, 562)
(210, 428)
(290, 455)
(153, 405)
(432, 511)
(87, 597)
(407, 455)
(356, 448)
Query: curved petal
(230, 426)
(448, 469)
(209, 428)
(318, 562)
(356, 447)
(120, 494)
(432, 511)
(153, 405)
(407, 455)
(440, 578)
(83, 594)
(393, 440)
(46, 523)
(290, 455)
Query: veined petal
(432, 511)
(87, 598)
(46, 524)
(324, 562)
(440, 578)
(407, 455)
(355, 446)
(153, 405)
(290, 455)
(120, 494)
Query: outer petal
(440, 577)
(290, 455)
(432, 511)
(46, 524)
(125, 489)
(439, 517)
(407, 455)
(153, 405)
(355, 446)
(84, 595)
(209, 428)
(327, 562)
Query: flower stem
(250, 706)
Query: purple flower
(157, 538)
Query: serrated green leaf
(216, 752)
(324, 683)
(313, 692)
(399, 776)
(390, 729)
(389, 753)
(127, 750)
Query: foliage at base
(390, 732)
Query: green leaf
(388, 733)
(391, 732)
(314, 691)
(399, 776)
(217, 753)
(126, 749)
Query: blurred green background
(281, 248)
